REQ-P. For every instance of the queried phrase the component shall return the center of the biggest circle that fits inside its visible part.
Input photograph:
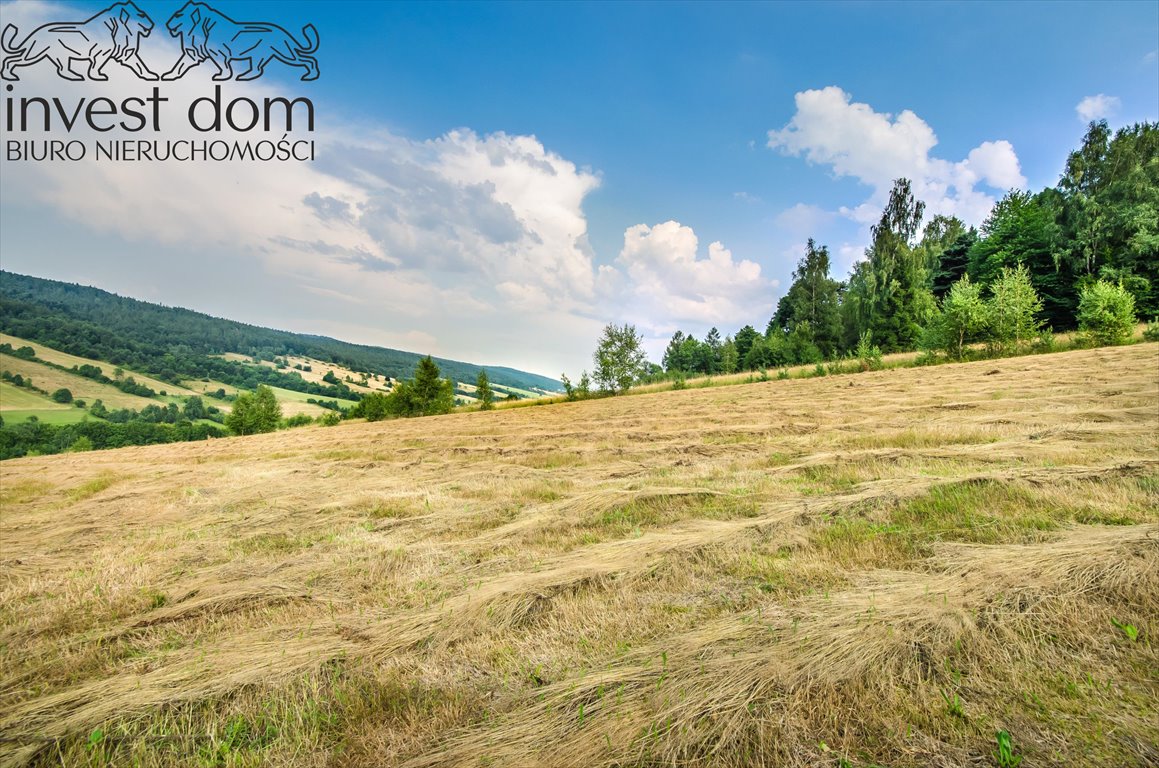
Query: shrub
(1045, 341)
(254, 412)
(963, 318)
(1013, 307)
(375, 406)
(80, 445)
(1152, 331)
(62, 396)
(868, 355)
(1106, 313)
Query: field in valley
(875, 569)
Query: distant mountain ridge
(173, 342)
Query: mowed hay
(881, 569)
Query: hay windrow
(797, 575)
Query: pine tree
(483, 392)
(812, 304)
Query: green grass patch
(329, 712)
(860, 543)
(23, 491)
(986, 512)
(92, 487)
(664, 509)
(13, 398)
(921, 438)
(271, 543)
(55, 417)
(976, 512)
(290, 396)
(827, 478)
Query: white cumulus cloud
(875, 148)
(1097, 107)
(672, 284)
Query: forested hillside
(175, 344)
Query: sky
(495, 182)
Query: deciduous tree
(619, 358)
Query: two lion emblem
(115, 34)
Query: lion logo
(112, 35)
(206, 33)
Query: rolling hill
(174, 343)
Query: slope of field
(877, 569)
(294, 403)
(17, 404)
(318, 371)
(68, 361)
(52, 379)
(13, 398)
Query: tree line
(1084, 253)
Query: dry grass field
(874, 569)
(68, 361)
(52, 379)
(318, 371)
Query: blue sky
(496, 181)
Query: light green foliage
(728, 357)
(1106, 313)
(581, 390)
(619, 358)
(686, 354)
(254, 412)
(1005, 755)
(1129, 630)
(963, 318)
(297, 420)
(372, 407)
(80, 445)
(1022, 230)
(1013, 308)
(868, 354)
(484, 394)
(954, 705)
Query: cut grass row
(882, 569)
